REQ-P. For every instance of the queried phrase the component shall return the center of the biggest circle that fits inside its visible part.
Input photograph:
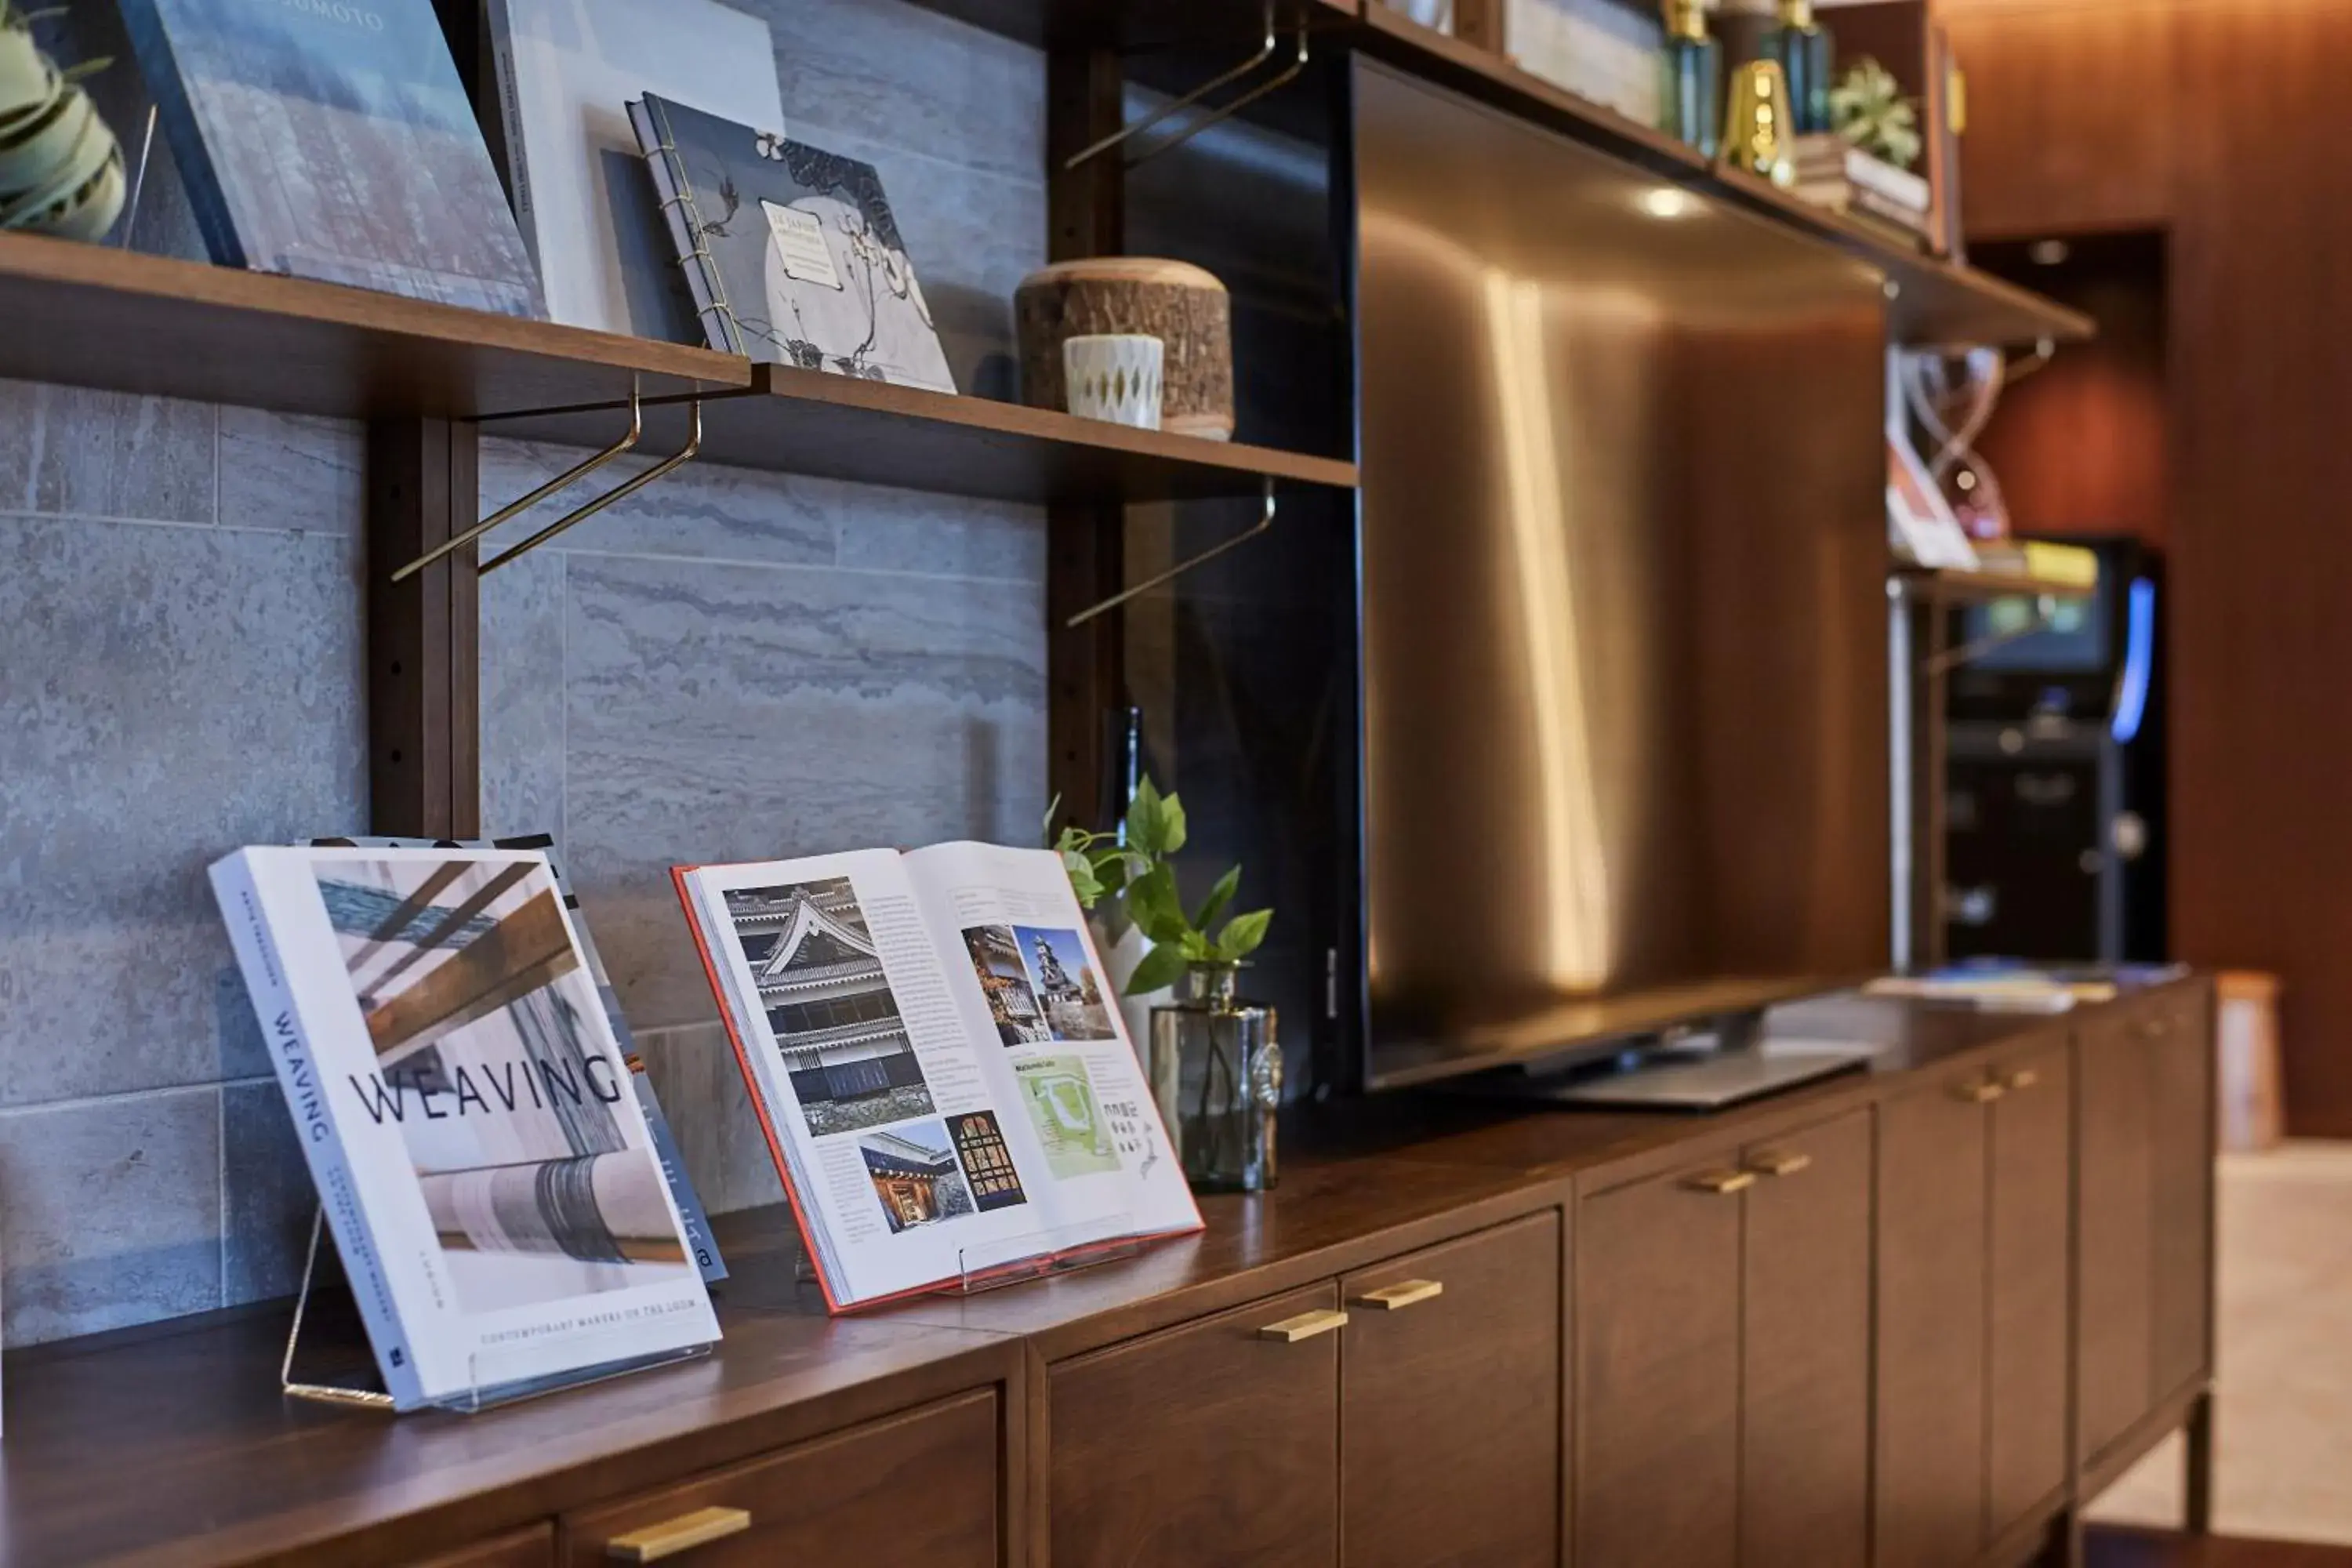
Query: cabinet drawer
(916, 1488)
(1451, 1403)
(532, 1548)
(1212, 1443)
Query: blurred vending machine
(2054, 825)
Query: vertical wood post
(1084, 542)
(423, 635)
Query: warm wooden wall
(2221, 122)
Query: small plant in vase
(1215, 1063)
(1870, 111)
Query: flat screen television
(1623, 597)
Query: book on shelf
(2057, 565)
(335, 142)
(493, 1188)
(1894, 203)
(700, 1244)
(937, 1061)
(790, 252)
(564, 71)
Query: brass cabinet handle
(1397, 1297)
(1304, 1326)
(672, 1536)
(2023, 1077)
(1980, 1094)
(2155, 1029)
(1721, 1182)
(1779, 1162)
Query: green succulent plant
(1868, 109)
(1132, 867)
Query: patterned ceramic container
(1114, 376)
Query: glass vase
(1216, 1072)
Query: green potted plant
(1214, 1060)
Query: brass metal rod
(678, 459)
(1228, 110)
(1265, 521)
(1175, 106)
(570, 476)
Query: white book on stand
(583, 200)
(938, 1063)
(492, 1188)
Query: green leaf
(1146, 828)
(1110, 875)
(1082, 878)
(1160, 967)
(1152, 901)
(1219, 897)
(1171, 825)
(1198, 949)
(1242, 934)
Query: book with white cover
(490, 1179)
(566, 70)
(937, 1059)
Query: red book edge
(678, 876)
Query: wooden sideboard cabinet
(2144, 1214)
(921, 1486)
(533, 1548)
(1451, 1404)
(1434, 1378)
(1723, 1313)
(1973, 1189)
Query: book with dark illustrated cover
(792, 252)
(491, 1183)
(333, 140)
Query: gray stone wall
(730, 665)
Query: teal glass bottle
(1807, 54)
(1690, 93)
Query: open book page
(1070, 1078)
(866, 1075)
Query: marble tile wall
(730, 663)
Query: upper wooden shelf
(88, 315)
(806, 422)
(1935, 303)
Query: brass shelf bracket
(568, 477)
(621, 491)
(1159, 580)
(1194, 100)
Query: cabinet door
(1209, 1443)
(2116, 1220)
(2033, 1181)
(1450, 1403)
(1657, 1394)
(1931, 1327)
(2179, 1044)
(1804, 1489)
(916, 1488)
(532, 1548)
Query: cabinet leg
(2064, 1546)
(2200, 1487)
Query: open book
(937, 1058)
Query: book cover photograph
(494, 1187)
(793, 252)
(333, 142)
(935, 1061)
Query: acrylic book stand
(352, 1381)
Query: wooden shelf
(1935, 302)
(90, 315)
(806, 422)
(86, 315)
(1946, 586)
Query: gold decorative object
(1758, 132)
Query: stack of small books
(1832, 172)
